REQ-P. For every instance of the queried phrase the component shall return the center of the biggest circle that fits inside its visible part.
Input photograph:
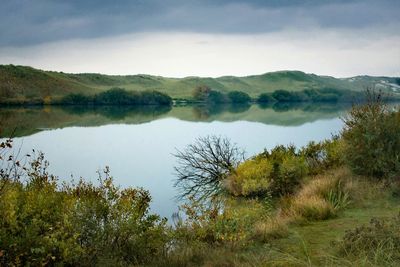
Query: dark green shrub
(288, 169)
(119, 96)
(116, 96)
(76, 99)
(286, 96)
(372, 138)
(265, 98)
(238, 97)
(216, 97)
(153, 98)
(323, 95)
(323, 155)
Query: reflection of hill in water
(283, 115)
(26, 121)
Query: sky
(179, 38)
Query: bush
(118, 96)
(152, 98)
(76, 99)
(238, 97)
(379, 242)
(278, 172)
(308, 95)
(216, 97)
(323, 155)
(45, 223)
(372, 138)
(206, 94)
(212, 223)
(265, 98)
(288, 169)
(286, 96)
(251, 178)
(324, 94)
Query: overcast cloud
(360, 33)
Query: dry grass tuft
(271, 228)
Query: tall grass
(322, 197)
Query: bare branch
(203, 165)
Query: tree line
(310, 95)
(208, 95)
(118, 96)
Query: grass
(279, 238)
(310, 244)
(271, 228)
(318, 237)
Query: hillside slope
(25, 83)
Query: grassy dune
(19, 83)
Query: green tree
(287, 96)
(372, 137)
(265, 98)
(238, 97)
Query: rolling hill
(22, 83)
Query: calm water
(137, 143)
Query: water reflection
(24, 121)
(204, 112)
(118, 112)
(305, 106)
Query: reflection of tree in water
(203, 112)
(286, 106)
(118, 112)
(327, 107)
(238, 108)
(204, 165)
(305, 106)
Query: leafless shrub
(203, 165)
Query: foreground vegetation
(334, 203)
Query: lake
(138, 143)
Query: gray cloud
(26, 22)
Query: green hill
(25, 84)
